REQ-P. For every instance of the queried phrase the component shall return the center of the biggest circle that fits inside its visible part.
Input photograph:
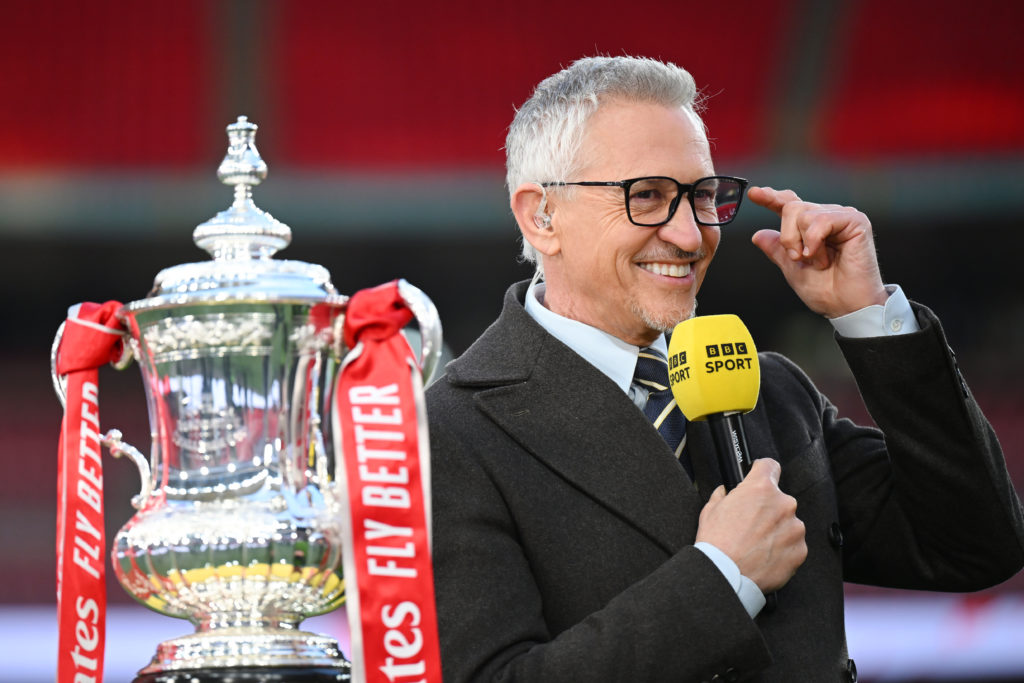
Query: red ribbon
(381, 426)
(92, 337)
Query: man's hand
(756, 525)
(825, 251)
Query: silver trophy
(237, 528)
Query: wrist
(875, 297)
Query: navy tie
(661, 409)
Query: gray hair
(544, 139)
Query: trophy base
(247, 655)
(250, 674)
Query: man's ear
(534, 213)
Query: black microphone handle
(734, 462)
(730, 447)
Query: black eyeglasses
(653, 200)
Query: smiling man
(574, 539)
(602, 270)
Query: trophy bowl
(237, 528)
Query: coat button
(835, 535)
(851, 671)
(732, 675)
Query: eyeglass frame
(674, 206)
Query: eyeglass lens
(652, 201)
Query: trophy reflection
(237, 526)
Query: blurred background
(383, 125)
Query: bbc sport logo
(677, 359)
(726, 349)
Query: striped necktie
(652, 374)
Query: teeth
(672, 270)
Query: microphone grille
(713, 366)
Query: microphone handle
(731, 447)
(734, 463)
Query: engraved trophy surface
(237, 526)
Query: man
(570, 543)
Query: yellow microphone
(714, 376)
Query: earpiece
(541, 219)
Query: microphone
(714, 375)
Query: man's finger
(717, 495)
(772, 199)
(815, 237)
(769, 466)
(770, 242)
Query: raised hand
(825, 251)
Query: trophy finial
(243, 165)
(243, 231)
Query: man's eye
(704, 196)
(645, 195)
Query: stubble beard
(663, 321)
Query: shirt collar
(609, 354)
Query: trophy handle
(112, 439)
(60, 381)
(430, 327)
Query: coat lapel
(568, 415)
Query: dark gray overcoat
(563, 526)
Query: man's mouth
(669, 269)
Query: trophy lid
(242, 241)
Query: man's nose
(682, 230)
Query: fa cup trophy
(270, 480)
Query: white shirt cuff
(895, 317)
(746, 590)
